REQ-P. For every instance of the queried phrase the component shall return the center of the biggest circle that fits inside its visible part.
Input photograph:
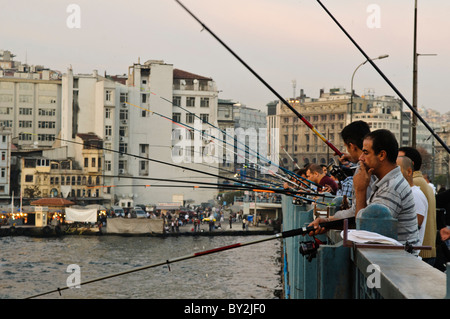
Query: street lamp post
(353, 75)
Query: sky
(281, 40)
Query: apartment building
(5, 162)
(46, 176)
(329, 113)
(30, 102)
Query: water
(29, 266)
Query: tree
(32, 192)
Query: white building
(134, 121)
(5, 162)
(30, 102)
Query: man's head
(407, 168)
(353, 136)
(315, 173)
(413, 154)
(380, 150)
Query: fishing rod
(386, 79)
(151, 159)
(224, 132)
(188, 127)
(336, 224)
(290, 157)
(301, 117)
(220, 186)
(254, 187)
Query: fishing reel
(309, 248)
(298, 201)
(338, 172)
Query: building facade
(5, 162)
(329, 113)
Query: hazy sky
(282, 40)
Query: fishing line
(224, 132)
(337, 152)
(253, 187)
(148, 159)
(285, 234)
(385, 78)
(213, 140)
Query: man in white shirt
(420, 201)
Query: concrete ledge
(403, 276)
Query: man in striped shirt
(380, 150)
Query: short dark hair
(315, 168)
(355, 132)
(414, 155)
(384, 140)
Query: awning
(164, 207)
(81, 215)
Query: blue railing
(339, 271)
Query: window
(108, 130)
(190, 101)
(28, 178)
(204, 102)
(46, 124)
(122, 131)
(144, 98)
(108, 95)
(143, 149)
(107, 166)
(27, 124)
(25, 111)
(123, 97)
(204, 117)
(123, 147)
(86, 162)
(143, 168)
(123, 115)
(176, 117)
(93, 162)
(190, 118)
(176, 101)
(107, 113)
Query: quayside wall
(342, 271)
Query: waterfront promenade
(224, 229)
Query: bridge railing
(338, 271)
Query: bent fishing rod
(158, 161)
(416, 113)
(219, 186)
(336, 224)
(253, 187)
(245, 145)
(301, 117)
(150, 159)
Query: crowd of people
(381, 172)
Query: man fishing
(378, 158)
